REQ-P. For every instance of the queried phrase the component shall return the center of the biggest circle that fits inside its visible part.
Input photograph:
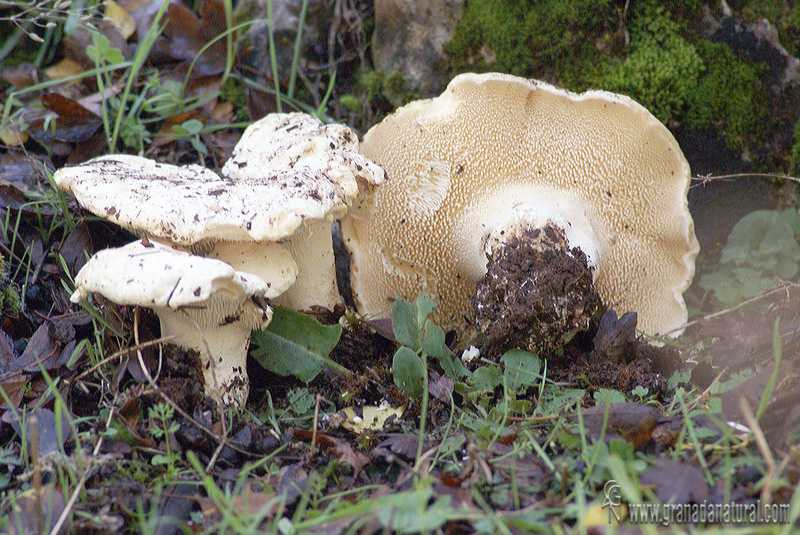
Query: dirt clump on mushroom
(520, 301)
(182, 377)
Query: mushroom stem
(499, 223)
(537, 290)
(222, 349)
(312, 249)
(269, 261)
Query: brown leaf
(186, 33)
(75, 45)
(21, 76)
(292, 483)
(76, 246)
(36, 511)
(339, 447)
(622, 417)
(615, 336)
(22, 170)
(7, 356)
(441, 388)
(676, 482)
(74, 123)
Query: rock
(409, 38)
(758, 42)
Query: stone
(758, 42)
(409, 38)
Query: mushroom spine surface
(496, 157)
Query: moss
(698, 84)
(233, 91)
(558, 40)
(662, 68)
(795, 154)
(728, 94)
(9, 294)
(381, 89)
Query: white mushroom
(499, 167)
(290, 176)
(295, 146)
(203, 304)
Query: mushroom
(286, 182)
(203, 304)
(293, 146)
(191, 207)
(508, 193)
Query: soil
(542, 316)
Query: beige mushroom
(295, 146)
(498, 159)
(268, 214)
(203, 304)
(191, 207)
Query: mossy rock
(556, 40)
(692, 82)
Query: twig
(123, 352)
(785, 287)
(702, 179)
(314, 429)
(763, 447)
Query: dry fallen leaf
(120, 18)
(64, 69)
(12, 137)
(370, 418)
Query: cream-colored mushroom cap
(203, 304)
(459, 164)
(187, 205)
(295, 146)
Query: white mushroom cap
(289, 178)
(295, 146)
(461, 163)
(189, 205)
(206, 304)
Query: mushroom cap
(492, 141)
(159, 277)
(293, 145)
(187, 205)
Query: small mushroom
(290, 176)
(296, 146)
(203, 304)
(191, 207)
(511, 202)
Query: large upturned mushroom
(203, 304)
(265, 215)
(508, 200)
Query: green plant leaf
(486, 378)
(409, 372)
(404, 323)
(435, 346)
(425, 306)
(608, 395)
(412, 512)
(521, 368)
(295, 344)
(192, 126)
